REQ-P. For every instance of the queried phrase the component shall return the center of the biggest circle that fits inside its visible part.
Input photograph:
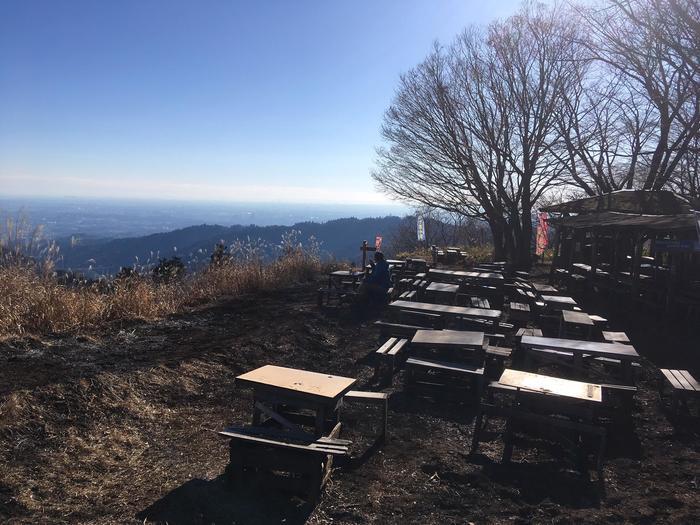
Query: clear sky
(208, 99)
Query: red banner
(542, 238)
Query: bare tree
(654, 44)
(472, 128)
(604, 130)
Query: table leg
(578, 364)
(628, 372)
(256, 413)
(320, 421)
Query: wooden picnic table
(559, 301)
(276, 385)
(449, 339)
(442, 292)
(624, 353)
(450, 311)
(340, 275)
(461, 274)
(544, 401)
(280, 443)
(458, 346)
(575, 321)
(340, 284)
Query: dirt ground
(120, 429)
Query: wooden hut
(643, 244)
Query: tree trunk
(497, 233)
(524, 241)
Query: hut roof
(612, 219)
(626, 201)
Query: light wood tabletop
(319, 386)
(549, 385)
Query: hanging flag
(542, 234)
(420, 228)
(378, 242)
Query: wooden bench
(683, 385)
(519, 312)
(387, 329)
(500, 327)
(428, 320)
(528, 331)
(495, 359)
(599, 321)
(479, 302)
(441, 374)
(387, 355)
(374, 398)
(259, 454)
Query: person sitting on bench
(377, 283)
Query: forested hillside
(340, 238)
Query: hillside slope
(340, 238)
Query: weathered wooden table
(573, 322)
(340, 284)
(625, 353)
(451, 340)
(546, 401)
(445, 362)
(442, 292)
(284, 438)
(275, 386)
(456, 312)
(545, 288)
(559, 302)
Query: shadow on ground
(215, 501)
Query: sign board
(420, 228)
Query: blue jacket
(380, 275)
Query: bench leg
(385, 419)
(508, 440)
(600, 458)
(477, 432)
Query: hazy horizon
(118, 217)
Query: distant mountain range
(339, 238)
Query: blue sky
(211, 100)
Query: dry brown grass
(34, 302)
